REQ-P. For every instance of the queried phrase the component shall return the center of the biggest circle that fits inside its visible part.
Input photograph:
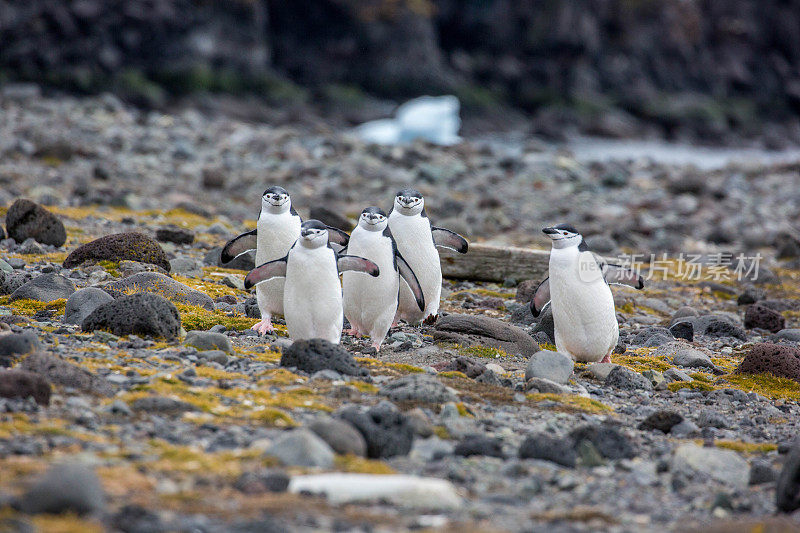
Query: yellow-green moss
(441, 432)
(196, 317)
(640, 363)
(572, 402)
(746, 447)
(363, 386)
(112, 267)
(360, 465)
(767, 385)
(31, 307)
(453, 374)
(400, 367)
(273, 417)
(692, 385)
(66, 523)
(485, 352)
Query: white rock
(725, 466)
(404, 491)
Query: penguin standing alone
(417, 241)
(277, 229)
(312, 296)
(370, 304)
(584, 315)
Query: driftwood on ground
(485, 262)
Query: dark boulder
(318, 354)
(138, 314)
(160, 284)
(387, 431)
(120, 247)
(26, 219)
(22, 384)
(60, 372)
(762, 317)
(776, 359)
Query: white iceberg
(431, 118)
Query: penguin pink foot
(263, 327)
(353, 332)
(607, 358)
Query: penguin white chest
(583, 307)
(312, 295)
(415, 243)
(276, 233)
(370, 303)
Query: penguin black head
(313, 234)
(409, 201)
(564, 236)
(372, 218)
(275, 196)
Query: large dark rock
(21, 384)
(788, 489)
(761, 316)
(16, 344)
(318, 354)
(175, 235)
(119, 247)
(548, 448)
(479, 445)
(26, 219)
(469, 330)
(777, 359)
(45, 288)
(608, 439)
(65, 488)
(662, 420)
(60, 372)
(138, 314)
(160, 284)
(387, 431)
(11, 281)
(624, 378)
(713, 326)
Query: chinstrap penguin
(417, 241)
(370, 304)
(581, 301)
(312, 296)
(277, 229)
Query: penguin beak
(550, 231)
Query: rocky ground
(137, 399)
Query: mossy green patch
(31, 307)
(640, 363)
(196, 317)
(453, 374)
(768, 385)
(273, 417)
(361, 465)
(692, 385)
(573, 402)
(485, 352)
(66, 523)
(387, 367)
(746, 447)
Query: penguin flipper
(357, 264)
(266, 271)
(541, 297)
(449, 239)
(620, 275)
(239, 245)
(413, 283)
(338, 237)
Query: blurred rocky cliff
(608, 66)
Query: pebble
(417, 387)
(318, 354)
(302, 447)
(626, 379)
(341, 436)
(82, 303)
(385, 429)
(553, 366)
(45, 288)
(208, 340)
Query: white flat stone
(404, 491)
